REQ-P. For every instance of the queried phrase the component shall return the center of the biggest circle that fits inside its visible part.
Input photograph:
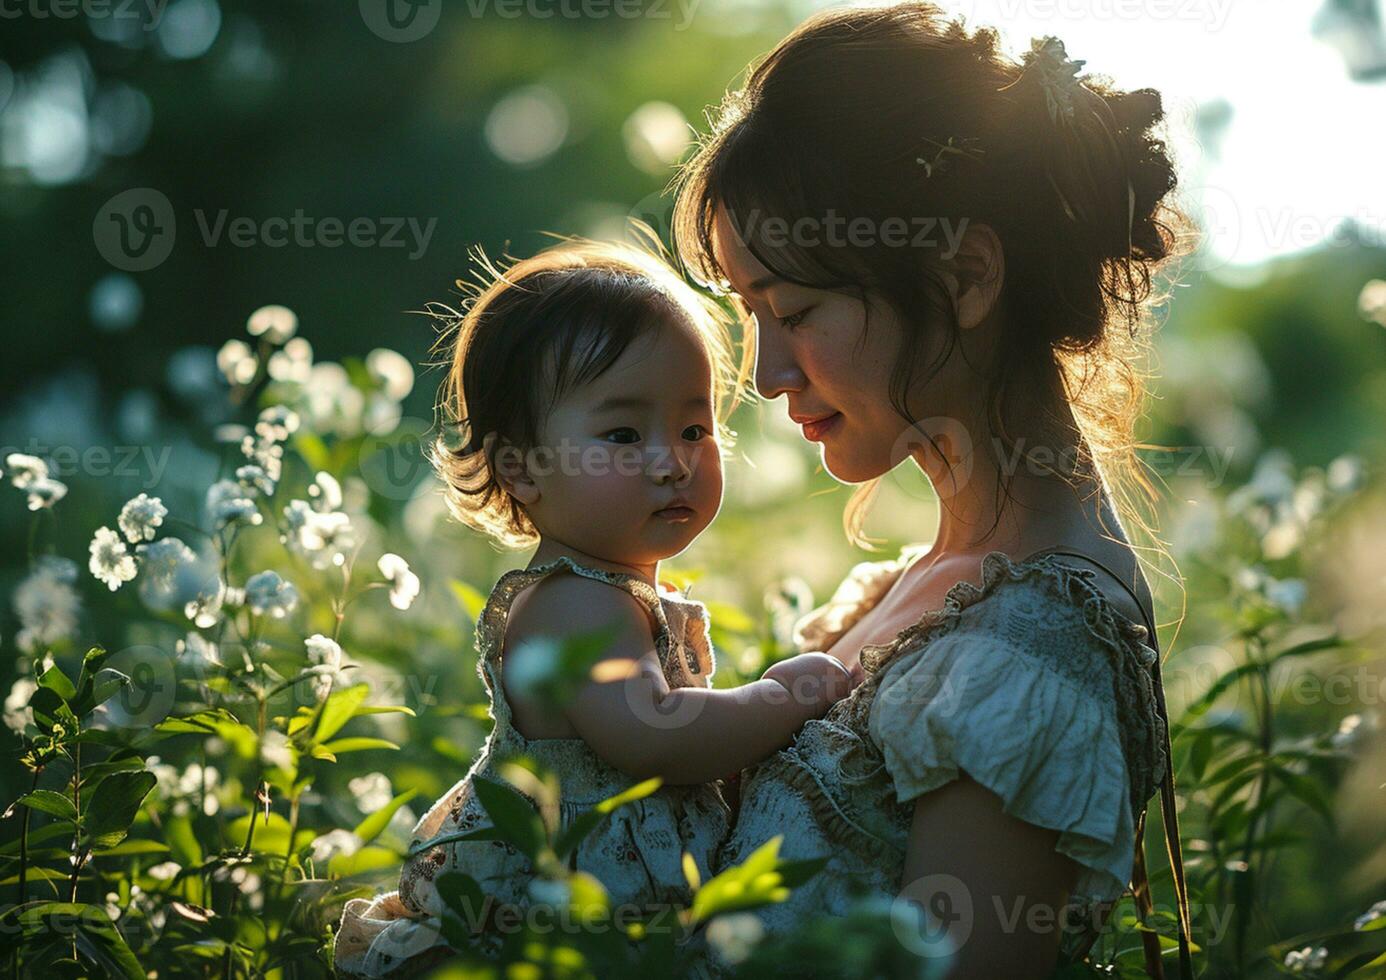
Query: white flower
(45, 493)
(268, 593)
(17, 713)
(329, 537)
(196, 649)
(255, 480)
(404, 584)
(1345, 474)
(294, 363)
(237, 362)
(1377, 911)
(109, 562)
(1306, 960)
(334, 842)
(332, 403)
(392, 371)
(326, 493)
(323, 650)
(277, 423)
(265, 453)
(227, 504)
(140, 517)
(371, 791)
(1371, 302)
(326, 656)
(735, 936)
(204, 609)
(275, 323)
(276, 751)
(163, 560)
(47, 605)
(25, 469)
(165, 872)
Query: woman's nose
(776, 370)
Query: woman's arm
(996, 880)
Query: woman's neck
(1016, 497)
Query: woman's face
(813, 347)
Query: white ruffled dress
(1032, 682)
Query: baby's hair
(533, 330)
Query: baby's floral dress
(636, 852)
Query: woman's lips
(816, 430)
(678, 514)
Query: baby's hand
(814, 679)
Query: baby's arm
(636, 723)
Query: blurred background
(168, 168)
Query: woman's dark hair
(895, 113)
(534, 330)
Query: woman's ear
(976, 274)
(508, 464)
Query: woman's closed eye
(794, 319)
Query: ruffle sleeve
(1035, 694)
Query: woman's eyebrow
(763, 283)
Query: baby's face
(629, 468)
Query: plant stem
(23, 867)
(1256, 648)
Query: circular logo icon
(401, 21)
(393, 463)
(1220, 220)
(657, 211)
(932, 916)
(149, 697)
(942, 439)
(135, 230)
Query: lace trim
(1142, 731)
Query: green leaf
(96, 937)
(182, 841)
(370, 828)
(1307, 791)
(51, 710)
(48, 801)
(515, 819)
(471, 601)
(113, 807)
(343, 745)
(339, 709)
(99, 690)
(56, 681)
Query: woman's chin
(848, 467)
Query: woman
(948, 258)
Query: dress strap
(1140, 884)
(496, 612)
(1149, 622)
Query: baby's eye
(624, 435)
(695, 432)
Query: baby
(588, 384)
